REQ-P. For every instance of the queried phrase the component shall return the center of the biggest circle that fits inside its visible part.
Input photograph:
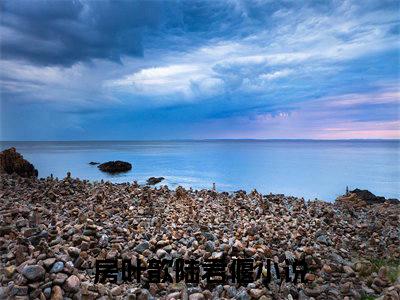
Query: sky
(151, 70)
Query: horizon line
(200, 140)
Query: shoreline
(351, 248)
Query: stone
(242, 295)
(60, 278)
(209, 246)
(103, 241)
(116, 166)
(10, 270)
(56, 293)
(196, 296)
(324, 240)
(18, 290)
(348, 270)
(13, 162)
(116, 291)
(154, 180)
(327, 269)
(35, 239)
(175, 295)
(161, 253)
(72, 284)
(310, 277)
(47, 292)
(57, 267)
(209, 236)
(33, 272)
(142, 247)
(74, 251)
(313, 292)
(49, 262)
(256, 293)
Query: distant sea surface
(303, 168)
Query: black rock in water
(13, 162)
(116, 166)
(94, 163)
(154, 180)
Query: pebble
(116, 291)
(210, 246)
(196, 296)
(256, 293)
(34, 272)
(81, 221)
(142, 247)
(57, 267)
(72, 284)
(56, 293)
(9, 271)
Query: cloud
(342, 117)
(67, 32)
(276, 75)
(200, 62)
(174, 79)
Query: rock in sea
(116, 166)
(13, 162)
(154, 180)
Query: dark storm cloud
(63, 32)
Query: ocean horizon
(306, 168)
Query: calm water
(309, 169)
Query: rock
(34, 272)
(242, 294)
(116, 291)
(209, 236)
(175, 295)
(13, 162)
(310, 277)
(57, 267)
(143, 295)
(49, 262)
(35, 239)
(47, 292)
(6, 230)
(10, 270)
(3, 292)
(116, 166)
(364, 197)
(60, 278)
(72, 284)
(18, 290)
(209, 246)
(324, 240)
(313, 292)
(85, 221)
(142, 247)
(103, 241)
(348, 270)
(256, 293)
(327, 269)
(154, 180)
(161, 253)
(196, 296)
(74, 251)
(57, 293)
(250, 252)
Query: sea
(312, 169)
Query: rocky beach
(53, 230)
